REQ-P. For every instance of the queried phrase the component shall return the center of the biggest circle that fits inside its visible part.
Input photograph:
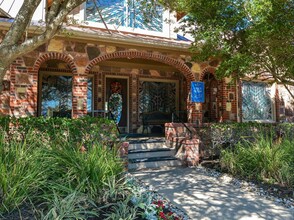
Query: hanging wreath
(115, 106)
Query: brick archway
(67, 59)
(221, 92)
(207, 70)
(55, 56)
(179, 65)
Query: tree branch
(100, 15)
(60, 11)
(22, 20)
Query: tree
(250, 37)
(14, 44)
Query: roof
(111, 36)
(103, 34)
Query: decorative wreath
(115, 106)
(115, 87)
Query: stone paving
(209, 197)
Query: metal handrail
(174, 115)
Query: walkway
(203, 196)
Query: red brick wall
(83, 59)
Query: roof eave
(110, 38)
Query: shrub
(56, 164)
(263, 159)
(20, 174)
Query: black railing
(178, 119)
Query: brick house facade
(143, 64)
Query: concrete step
(144, 163)
(150, 153)
(147, 145)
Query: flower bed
(152, 205)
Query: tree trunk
(3, 69)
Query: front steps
(150, 153)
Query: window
(55, 90)
(56, 95)
(125, 13)
(256, 101)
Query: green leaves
(249, 36)
(42, 162)
(262, 160)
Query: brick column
(79, 92)
(134, 103)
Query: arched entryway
(149, 83)
(61, 91)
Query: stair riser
(152, 154)
(144, 146)
(157, 164)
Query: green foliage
(122, 211)
(73, 206)
(20, 173)
(248, 36)
(230, 134)
(264, 160)
(42, 162)
(83, 130)
(115, 190)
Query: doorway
(117, 101)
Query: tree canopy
(251, 37)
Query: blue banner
(197, 92)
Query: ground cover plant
(67, 169)
(267, 159)
(43, 166)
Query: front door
(117, 101)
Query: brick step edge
(149, 150)
(153, 159)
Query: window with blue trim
(125, 13)
(256, 101)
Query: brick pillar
(191, 148)
(33, 92)
(133, 97)
(23, 89)
(239, 103)
(79, 92)
(176, 136)
(123, 150)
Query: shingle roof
(139, 38)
